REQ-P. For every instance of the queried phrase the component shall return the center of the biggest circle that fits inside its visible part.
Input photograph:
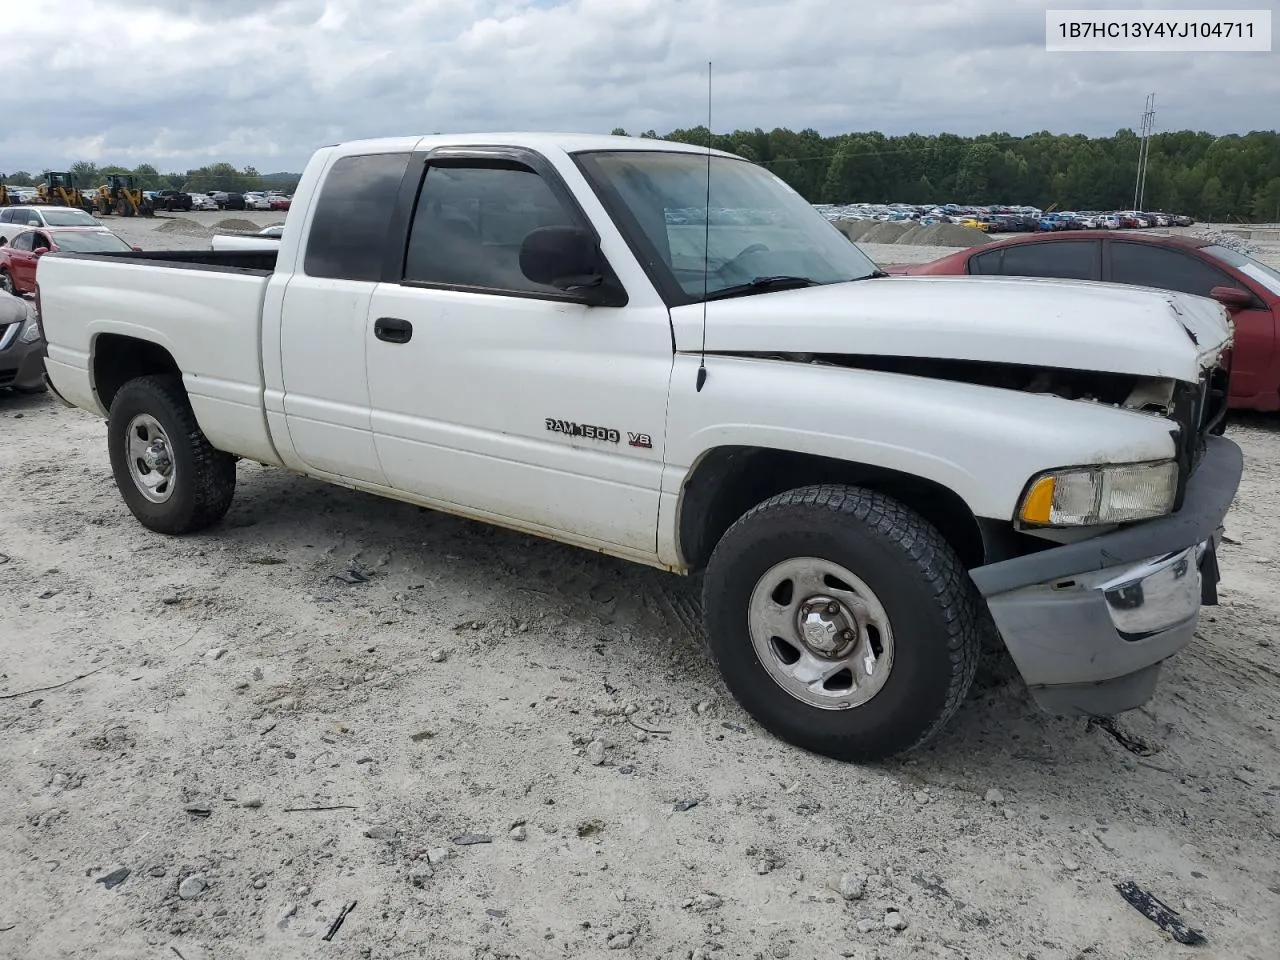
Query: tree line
(217, 176)
(1234, 177)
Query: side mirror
(40, 251)
(1233, 298)
(569, 259)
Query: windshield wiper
(761, 284)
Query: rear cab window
(357, 201)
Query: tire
(915, 599)
(202, 480)
(6, 283)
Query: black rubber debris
(1159, 913)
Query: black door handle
(393, 329)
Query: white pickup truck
(552, 333)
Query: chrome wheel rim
(150, 458)
(821, 633)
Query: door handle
(393, 329)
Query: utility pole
(1144, 150)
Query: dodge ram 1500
(559, 334)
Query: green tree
(86, 174)
(1211, 202)
(1266, 202)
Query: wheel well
(118, 359)
(729, 481)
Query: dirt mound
(188, 228)
(886, 231)
(941, 235)
(854, 229)
(237, 225)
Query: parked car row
(1004, 219)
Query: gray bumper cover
(1089, 623)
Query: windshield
(55, 217)
(90, 242)
(760, 229)
(1267, 276)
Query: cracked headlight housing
(1099, 495)
(31, 331)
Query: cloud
(179, 83)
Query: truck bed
(202, 308)
(238, 261)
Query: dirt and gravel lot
(500, 747)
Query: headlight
(1109, 493)
(31, 331)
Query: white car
(15, 219)
(266, 239)
(256, 201)
(872, 473)
(201, 201)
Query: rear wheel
(842, 621)
(6, 283)
(169, 475)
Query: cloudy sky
(181, 83)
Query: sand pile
(185, 227)
(943, 235)
(237, 225)
(885, 231)
(910, 232)
(854, 229)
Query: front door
(22, 262)
(503, 396)
(1155, 266)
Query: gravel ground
(523, 751)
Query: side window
(1066, 260)
(349, 229)
(1151, 266)
(33, 219)
(471, 221)
(22, 241)
(985, 263)
(6, 216)
(41, 240)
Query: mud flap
(1209, 574)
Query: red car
(1249, 289)
(279, 203)
(19, 257)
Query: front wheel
(842, 621)
(169, 475)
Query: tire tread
(213, 471)
(939, 565)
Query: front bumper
(22, 364)
(1089, 624)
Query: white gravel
(355, 726)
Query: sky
(183, 83)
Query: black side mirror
(569, 259)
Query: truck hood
(1064, 324)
